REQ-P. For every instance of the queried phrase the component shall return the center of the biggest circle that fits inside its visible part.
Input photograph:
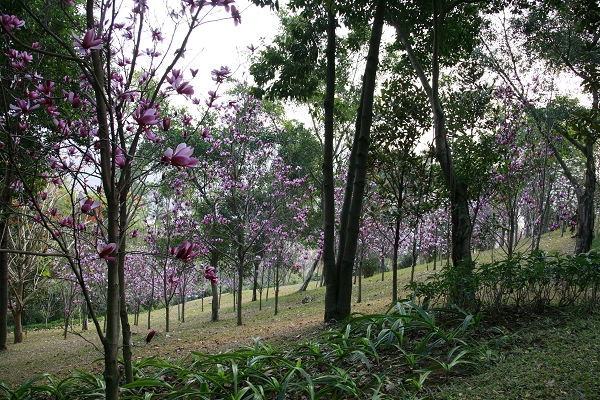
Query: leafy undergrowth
(300, 317)
(539, 357)
(391, 355)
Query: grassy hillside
(300, 317)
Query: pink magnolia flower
(106, 251)
(88, 205)
(210, 274)
(145, 117)
(10, 22)
(235, 14)
(89, 41)
(180, 157)
(185, 251)
(150, 335)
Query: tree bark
(585, 206)
(276, 288)
(4, 203)
(214, 262)
(346, 264)
(311, 271)
(459, 208)
(240, 286)
(328, 200)
(17, 314)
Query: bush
(534, 281)
(370, 266)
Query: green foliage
(534, 281)
(389, 355)
(370, 265)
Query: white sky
(221, 43)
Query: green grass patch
(548, 357)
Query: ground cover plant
(374, 355)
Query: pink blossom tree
(99, 119)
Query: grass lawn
(556, 356)
(547, 357)
(300, 317)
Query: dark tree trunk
(395, 259)
(84, 316)
(311, 271)
(585, 206)
(17, 314)
(4, 210)
(276, 288)
(125, 326)
(328, 202)
(3, 287)
(151, 302)
(353, 197)
(240, 283)
(461, 221)
(214, 262)
(182, 299)
(255, 280)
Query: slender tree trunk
(350, 219)
(461, 221)
(84, 316)
(233, 292)
(330, 274)
(360, 265)
(125, 326)
(276, 288)
(239, 291)
(268, 284)
(255, 280)
(309, 276)
(167, 312)
(585, 206)
(4, 210)
(183, 306)
(17, 314)
(260, 291)
(66, 317)
(151, 302)
(214, 262)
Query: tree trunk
(239, 291)
(84, 317)
(461, 221)
(66, 317)
(3, 288)
(330, 273)
(4, 204)
(255, 279)
(183, 306)
(17, 314)
(585, 206)
(360, 264)
(276, 288)
(311, 271)
(214, 262)
(125, 326)
(353, 197)
(151, 302)
(167, 312)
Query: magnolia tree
(168, 231)
(98, 120)
(245, 188)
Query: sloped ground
(300, 316)
(549, 357)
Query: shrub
(533, 281)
